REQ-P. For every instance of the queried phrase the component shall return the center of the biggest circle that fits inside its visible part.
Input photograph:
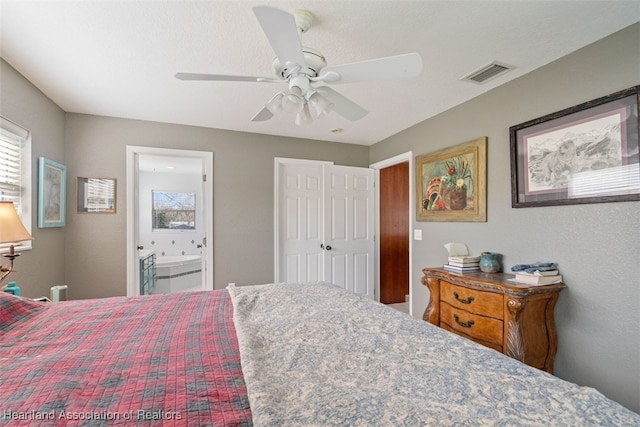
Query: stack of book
(463, 264)
(538, 277)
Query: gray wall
(243, 184)
(43, 266)
(597, 246)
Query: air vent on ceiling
(488, 72)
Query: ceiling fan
(302, 67)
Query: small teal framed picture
(52, 193)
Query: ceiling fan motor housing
(314, 62)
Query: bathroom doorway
(394, 225)
(170, 216)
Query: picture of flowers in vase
(452, 188)
(451, 183)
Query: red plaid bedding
(153, 360)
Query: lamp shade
(11, 228)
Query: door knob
(140, 247)
(326, 248)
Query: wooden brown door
(394, 233)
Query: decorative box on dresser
(515, 319)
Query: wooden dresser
(515, 319)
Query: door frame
(133, 266)
(400, 158)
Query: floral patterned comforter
(316, 355)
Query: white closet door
(325, 225)
(349, 228)
(300, 223)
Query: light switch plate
(417, 234)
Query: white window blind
(99, 194)
(10, 177)
(15, 172)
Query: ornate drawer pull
(463, 301)
(463, 324)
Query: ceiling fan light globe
(304, 116)
(321, 105)
(292, 104)
(292, 101)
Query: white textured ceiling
(118, 58)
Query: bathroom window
(173, 210)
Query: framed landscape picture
(584, 154)
(451, 183)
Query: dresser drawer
(474, 301)
(472, 325)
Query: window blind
(100, 194)
(11, 164)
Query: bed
(266, 355)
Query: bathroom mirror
(173, 210)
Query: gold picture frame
(451, 183)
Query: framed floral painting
(451, 183)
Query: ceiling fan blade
(263, 115)
(224, 78)
(281, 30)
(392, 67)
(341, 105)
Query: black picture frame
(587, 153)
